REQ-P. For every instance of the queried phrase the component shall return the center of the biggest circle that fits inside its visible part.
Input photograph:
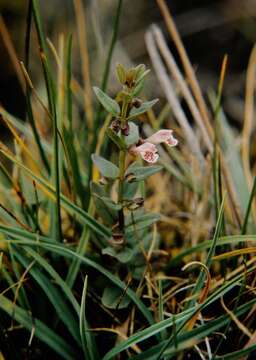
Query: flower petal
(147, 151)
(147, 146)
(171, 141)
(149, 156)
(160, 136)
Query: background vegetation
(184, 284)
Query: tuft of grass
(66, 290)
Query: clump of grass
(86, 270)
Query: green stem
(120, 187)
(122, 158)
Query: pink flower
(147, 151)
(163, 136)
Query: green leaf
(88, 343)
(139, 71)
(23, 238)
(141, 222)
(239, 354)
(51, 94)
(114, 298)
(130, 190)
(106, 168)
(109, 104)
(70, 207)
(53, 295)
(200, 281)
(109, 216)
(74, 164)
(121, 73)
(248, 209)
(232, 155)
(138, 88)
(56, 277)
(181, 318)
(133, 136)
(141, 172)
(109, 202)
(124, 256)
(115, 138)
(225, 240)
(185, 340)
(42, 332)
(143, 108)
(30, 114)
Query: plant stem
(120, 187)
(122, 158)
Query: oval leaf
(106, 168)
(121, 73)
(133, 136)
(123, 256)
(142, 172)
(142, 222)
(114, 298)
(115, 138)
(138, 88)
(143, 108)
(109, 203)
(109, 104)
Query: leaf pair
(133, 173)
(113, 107)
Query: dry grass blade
(98, 191)
(182, 84)
(235, 319)
(248, 119)
(81, 28)
(11, 51)
(201, 105)
(32, 88)
(186, 63)
(171, 97)
(250, 343)
(237, 252)
(20, 141)
(120, 334)
(204, 292)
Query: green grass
(62, 267)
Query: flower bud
(117, 240)
(136, 203)
(103, 181)
(136, 103)
(130, 178)
(125, 130)
(115, 125)
(130, 78)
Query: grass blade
(248, 210)
(54, 296)
(51, 94)
(28, 92)
(73, 209)
(46, 243)
(41, 331)
(88, 345)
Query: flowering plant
(126, 215)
